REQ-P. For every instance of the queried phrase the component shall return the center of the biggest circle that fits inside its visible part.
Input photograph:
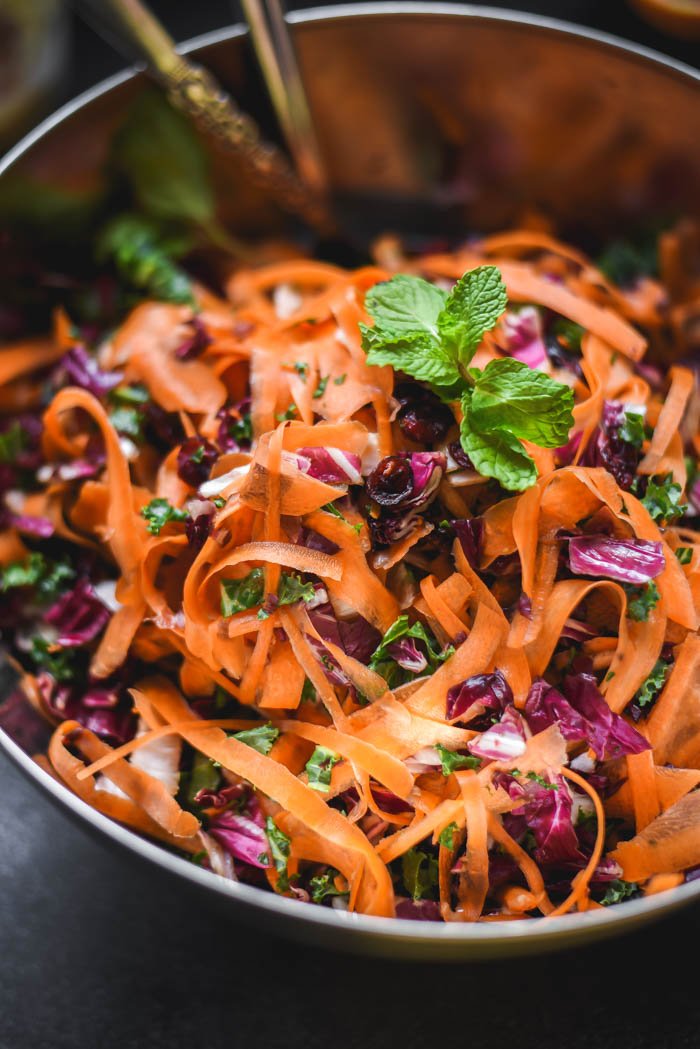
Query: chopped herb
(419, 872)
(260, 738)
(651, 687)
(240, 594)
(541, 781)
(197, 456)
(219, 502)
(135, 394)
(292, 589)
(339, 380)
(283, 417)
(684, 554)
(447, 836)
(47, 577)
(451, 761)
(302, 369)
(12, 442)
(663, 499)
(160, 512)
(279, 850)
(203, 775)
(641, 600)
(331, 508)
(321, 388)
(241, 429)
(632, 429)
(127, 421)
(57, 661)
(319, 768)
(321, 886)
(198, 858)
(619, 890)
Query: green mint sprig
(432, 335)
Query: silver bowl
(467, 117)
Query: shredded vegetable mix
(376, 589)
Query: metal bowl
(473, 116)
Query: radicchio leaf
(489, 691)
(634, 561)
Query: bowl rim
(542, 931)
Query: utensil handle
(277, 59)
(194, 91)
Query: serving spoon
(193, 90)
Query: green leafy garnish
(145, 258)
(240, 430)
(260, 738)
(451, 761)
(47, 577)
(240, 594)
(641, 600)
(447, 836)
(625, 260)
(57, 661)
(383, 662)
(203, 775)
(331, 508)
(419, 873)
(128, 422)
(541, 781)
(684, 554)
(135, 394)
(568, 332)
(632, 429)
(321, 886)
(339, 380)
(663, 499)
(285, 417)
(422, 331)
(319, 768)
(651, 687)
(619, 890)
(321, 387)
(160, 512)
(292, 589)
(279, 850)
(12, 442)
(302, 369)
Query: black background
(95, 952)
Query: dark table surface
(96, 952)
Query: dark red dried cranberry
(460, 456)
(196, 342)
(391, 481)
(426, 422)
(195, 458)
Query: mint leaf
(451, 761)
(160, 512)
(476, 302)
(406, 305)
(414, 353)
(511, 396)
(319, 768)
(641, 600)
(239, 594)
(163, 159)
(499, 455)
(651, 687)
(260, 738)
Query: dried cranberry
(426, 422)
(391, 481)
(460, 456)
(470, 532)
(195, 458)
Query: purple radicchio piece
(417, 910)
(524, 337)
(100, 709)
(243, 836)
(487, 691)
(634, 561)
(607, 448)
(470, 532)
(78, 615)
(331, 465)
(503, 741)
(196, 341)
(195, 458)
(83, 370)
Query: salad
(375, 588)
